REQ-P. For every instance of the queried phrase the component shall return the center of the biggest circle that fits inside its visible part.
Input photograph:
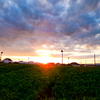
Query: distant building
(57, 63)
(31, 62)
(22, 62)
(51, 63)
(75, 64)
(7, 60)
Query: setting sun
(44, 59)
(44, 56)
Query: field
(47, 82)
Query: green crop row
(44, 82)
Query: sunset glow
(39, 30)
(43, 53)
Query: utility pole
(28, 59)
(62, 56)
(85, 62)
(68, 60)
(1, 56)
(94, 60)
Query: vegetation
(49, 82)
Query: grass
(42, 82)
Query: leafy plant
(42, 82)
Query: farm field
(47, 82)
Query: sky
(40, 29)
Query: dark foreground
(42, 82)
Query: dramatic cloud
(31, 25)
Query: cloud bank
(71, 25)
